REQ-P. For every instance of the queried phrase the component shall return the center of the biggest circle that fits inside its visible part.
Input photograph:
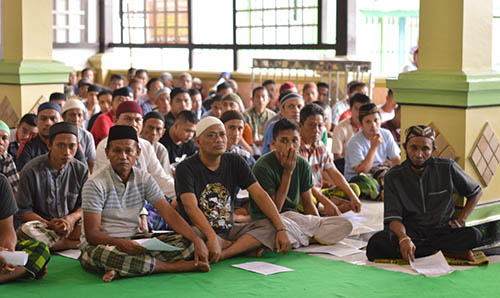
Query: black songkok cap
(155, 115)
(63, 127)
(119, 132)
(124, 91)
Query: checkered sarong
(39, 231)
(110, 257)
(38, 256)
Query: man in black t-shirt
(178, 139)
(38, 252)
(206, 185)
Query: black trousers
(385, 244)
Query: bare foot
(109, 276)
(202, 267)
(466, 255)
(256, 253)
(42, 273)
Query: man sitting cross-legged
(111, 203)
(418, 206)
(315, 152)
(287, 178)
(38, 252)
(206, 185)
(49, 197)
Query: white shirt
(147, 161)
(342, 133)
(338, 109)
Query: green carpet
(313, 277)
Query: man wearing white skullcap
(74, 112)
(206, 186)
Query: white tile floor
(370, 220)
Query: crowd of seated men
(99, 166)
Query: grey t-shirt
(7, 202)
(46, 192)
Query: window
(154, 21)
(74, 22)
(277, 22)
(219, 35)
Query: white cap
(73, 104)
(205, 123)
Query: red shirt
(345, 115)
(101, 127)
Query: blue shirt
(358, 148)
(268, 137)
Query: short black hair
(359, 97)
(29, 119)
(323, 84)
(141, 71)
(257, 89)
(85, 70)
(217, 98)
(282, 125)
(311, 110)
(57, 96)
(193, 91)
(223, 86)
(151, 81)
(104, 92)
(131, 70)
(268, 82)
(186, 116)
(389, 92)
(116, 76)
(355, 86)
(178, 90)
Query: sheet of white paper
(15, 257)
(354, 216)
(70, 253)
(262, 268)
(242, 194)
(354, 243)
(156, 244)
(340, 250)
(434, 265)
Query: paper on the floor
(431, 266)
(262, 268)
(339, 249)
(356, 217)
(354, 243)
(15, 257)
(70, 253)
(156, 244)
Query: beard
(418, 167)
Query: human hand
(61, 226)
(407, 248)
(131, 247)
(355, 205)
(200, 252)
(456, 223)
(214, 250)
(5, 268)
(288, 160)
(282, 244)
(332, 210)
(376, 140)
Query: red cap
(128, 107)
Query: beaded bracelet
(403, 239)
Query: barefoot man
(111, 202)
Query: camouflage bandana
(420, 131)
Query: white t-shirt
(358, 148)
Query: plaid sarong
(39, 231)
(38, 256)
(110, 257)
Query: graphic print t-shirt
(214, 190)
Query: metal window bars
(332, 72)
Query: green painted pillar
(27, 71)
